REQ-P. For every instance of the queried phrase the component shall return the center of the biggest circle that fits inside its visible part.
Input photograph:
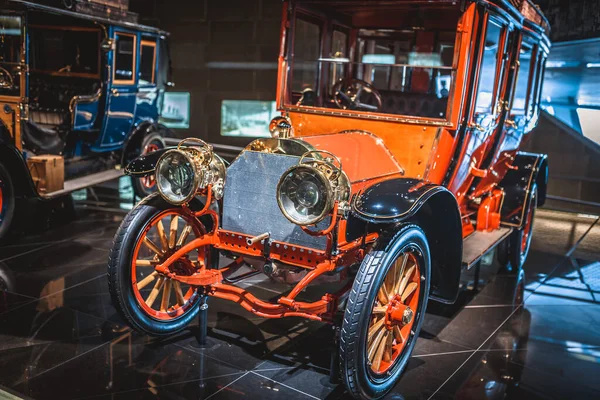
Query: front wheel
(385, 312)
(149, 301)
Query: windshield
(403, 68)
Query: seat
(42, 140)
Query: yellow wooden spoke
(375, 327)
(164, 304)
(404, 261)
(380, 350)
(379, 310)
(179, 293)
(146, 263)
(184, 235)
(387, 353)
(382, 296)
(162, 235)
(152, 246)
(147, 280)
(375, 345)
(409, 290)
(398, 334)
(405, 279)
(173, 231)
(155, 290)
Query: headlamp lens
(304, 196)
(175, 178)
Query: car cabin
(450, 87)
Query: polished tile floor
(60, 337)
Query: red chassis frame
(318, 263)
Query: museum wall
(221, 50)
(572, 19)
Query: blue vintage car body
(92, 112)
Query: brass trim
(198, 175)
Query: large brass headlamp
(183, 172)
(308, 191)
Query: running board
(84, 182)
(479, 244)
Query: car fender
(387, 204)
(134, 141)
(527, 169)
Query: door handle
(477, 127)
(114, 92)
(511, 123)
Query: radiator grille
(250, 200)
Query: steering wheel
(6, 79)
(347, 95)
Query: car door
(122, 89)
(520, 100)
(12, 74)
(488, 110)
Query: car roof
(109, 21)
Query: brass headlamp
(308, 191)
(183, 172)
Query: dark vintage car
(83, 84)
(394, 168)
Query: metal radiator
(250, 200)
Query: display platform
(60, 337)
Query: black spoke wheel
(513, 252)
(384, 313)
(7, 202)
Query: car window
(147, 62)
(10, 54)
(306, 52)
(524, 79)
(489, 68)
(124, 58)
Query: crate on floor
(47, 172)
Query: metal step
(84, 182)
(479, 243)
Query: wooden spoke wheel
(392, 315)
(158, 295)
(150, 301)
(385, 311)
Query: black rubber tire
(8, 202)
(139, 189)
(509, 253)
(353, 366)
(119, 272)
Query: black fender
(529, 168)
(146, 164)
(133, 144)
(385, 205)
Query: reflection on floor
(60, 337)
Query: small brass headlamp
(183, 172)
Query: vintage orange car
(394, 167)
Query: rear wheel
(146, 185)
(513, 252)
(151, 302)
(7, 202)
(384, 314)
